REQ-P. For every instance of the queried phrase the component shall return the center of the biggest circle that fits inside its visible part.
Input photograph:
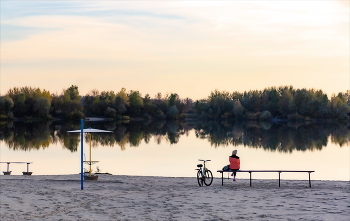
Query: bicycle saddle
(199, 165)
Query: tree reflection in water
(284, 137)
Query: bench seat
(265, 171)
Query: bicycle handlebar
(204, 160)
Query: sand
(112, 197)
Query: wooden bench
(265, 171)
(8, 172)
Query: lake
(173, 148)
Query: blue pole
(82, 153)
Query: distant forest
(273, 103)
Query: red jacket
(235, 163)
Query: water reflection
(283, 137)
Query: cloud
(212, 43)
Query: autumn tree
(25, 100)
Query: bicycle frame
(203, 169)
(204, 175)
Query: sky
(186, 47)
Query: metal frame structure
(82, 131)
(265, 171)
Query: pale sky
(186, 47)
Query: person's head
(234, 153)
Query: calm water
(173, 149)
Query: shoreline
(217, 177)
(121, 197)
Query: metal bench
(8, 172)
(265, 171)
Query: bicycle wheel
(200, 178)
(208, 178)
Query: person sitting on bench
(235, 163)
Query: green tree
(340, 109)
(172, 99)
(160, 103)
(25, 98)
(238, 110)
(301, 99)
(121, 102)
(69, 104)
(347, 97)
(252, 101)
(42, 107)
(72, 93)
(89, 101)
(273, 100)
(123, 97)
(6, 106)
(173, 112)
(149, 108)
(136, 103)
(283, 106)
(110, 112)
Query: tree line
(285, 103)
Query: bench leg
(279, 179)
(250, 179)
(222, 178)
(309, 180)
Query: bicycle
(204, 175)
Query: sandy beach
(112, 197)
